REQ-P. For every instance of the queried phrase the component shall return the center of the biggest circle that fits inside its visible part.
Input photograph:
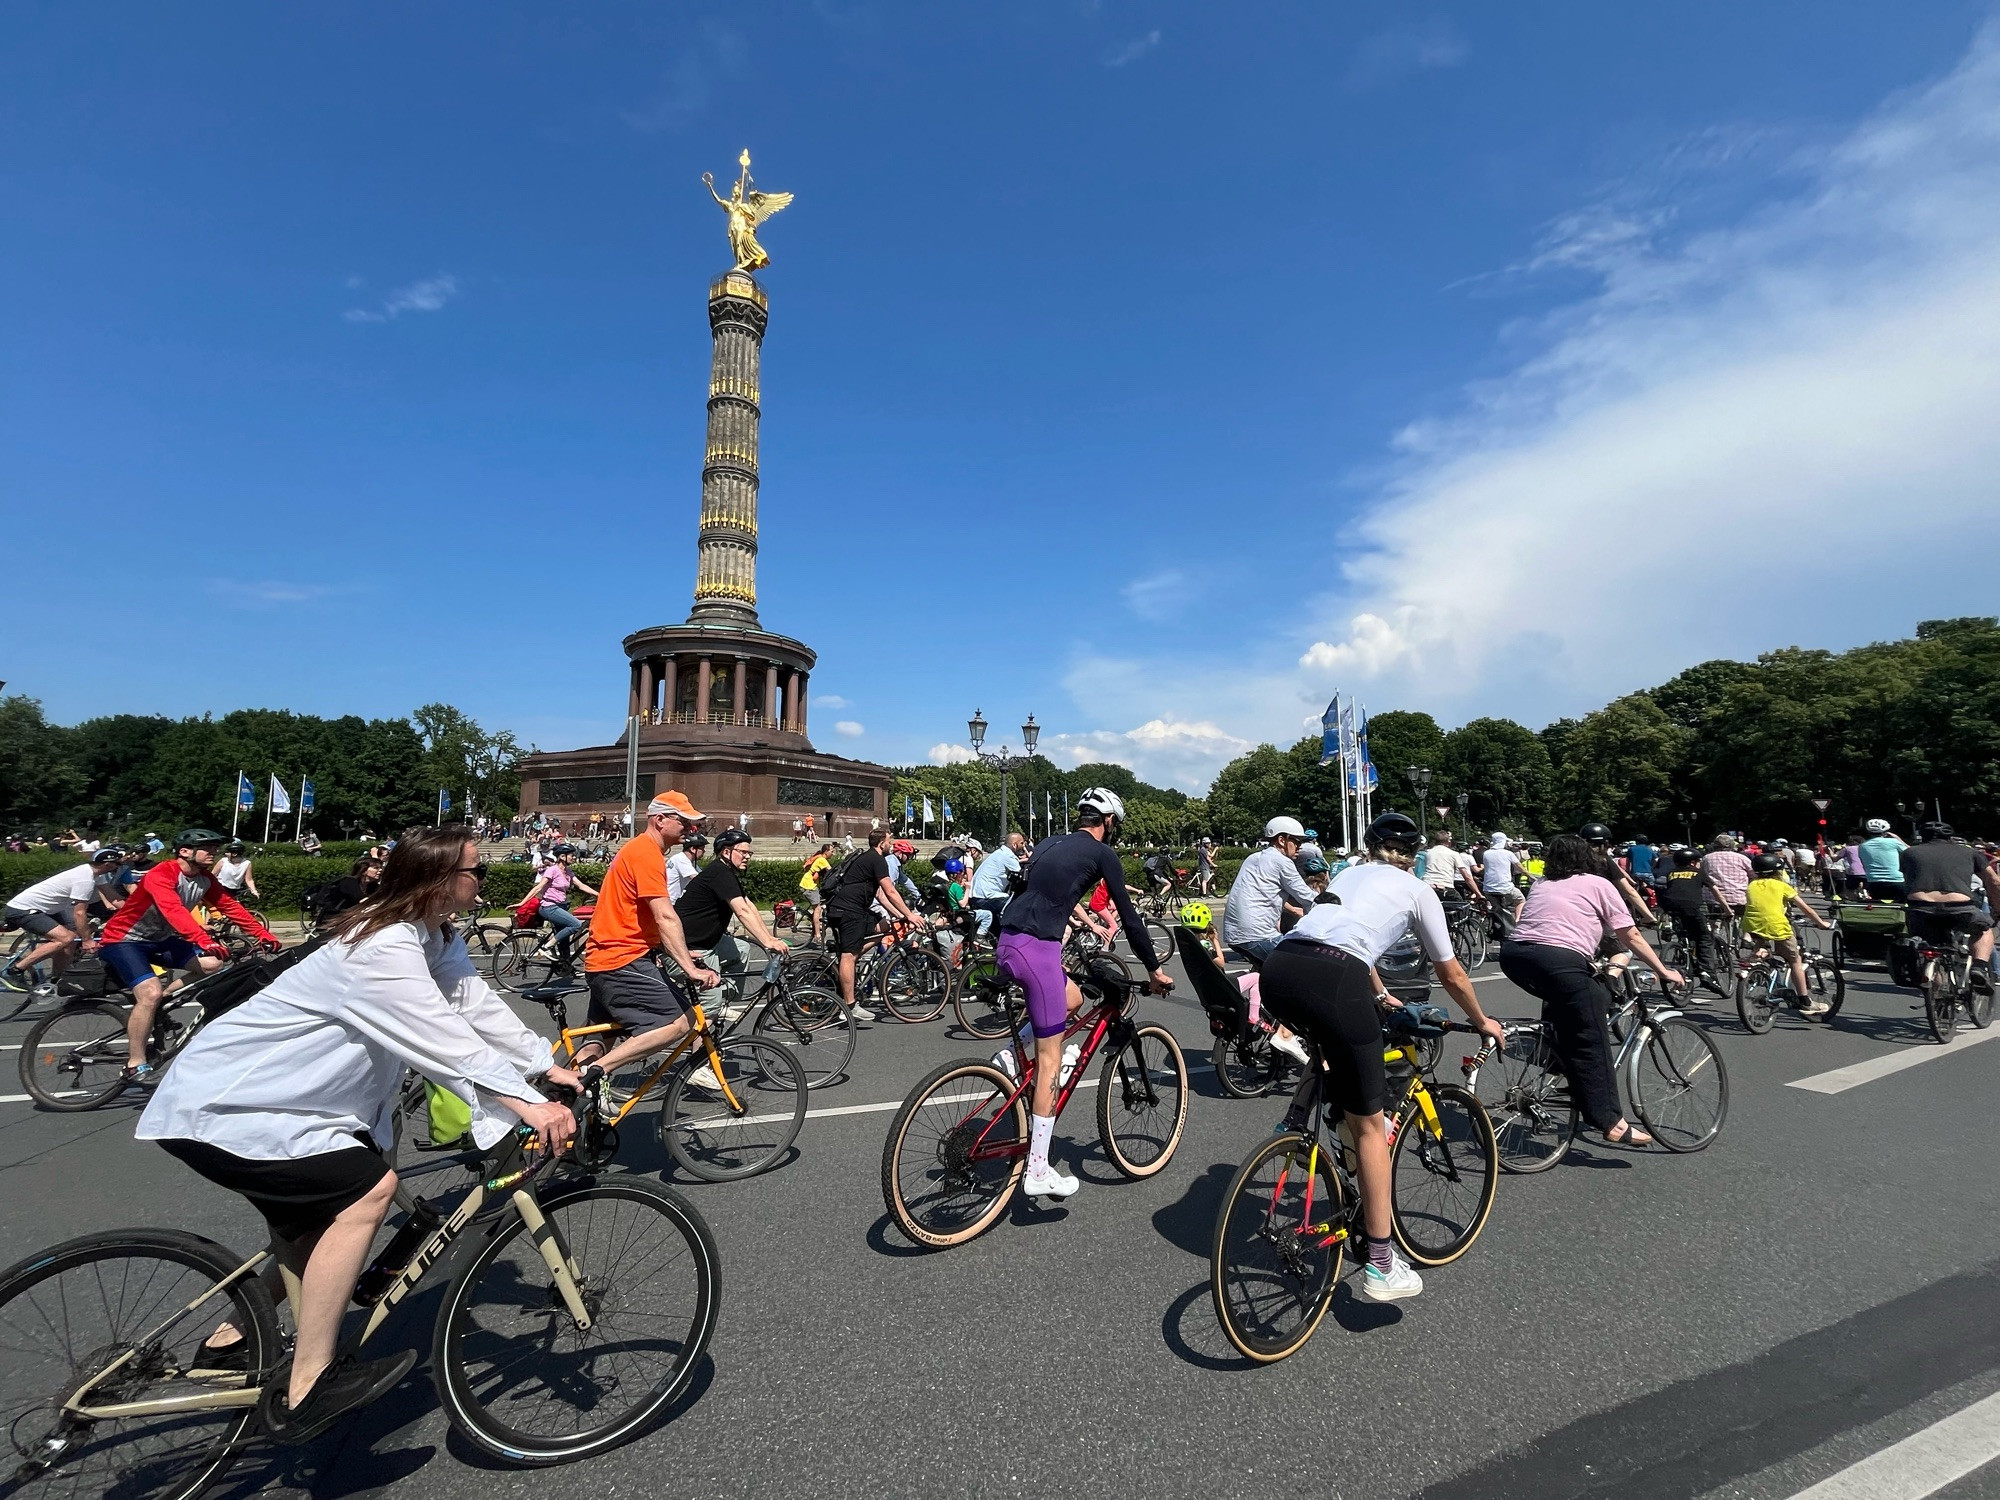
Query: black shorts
(1328, 995)
(1935, 921)
(637, 997)
(852, 927)
(297, 1198)
(40, 923)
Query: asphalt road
(1820, 1285)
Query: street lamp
(1464, 826)
(1420, 783)
(975, 727)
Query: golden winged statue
(747, 208)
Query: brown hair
(419, 880)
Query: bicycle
(958, 1145)
(805, 1016)
(1945, 970)
(530, 957)
(73, 1059)
(731, 1106)
(1764, 984)
(1670, 1071)
(981, 1000)
(1469, 927)
(575, 1322)
(1293, 1208)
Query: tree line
(133, 773)
(1892, 730)
(1153, 814)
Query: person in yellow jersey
(1767, 919)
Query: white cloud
(1154, 597)
(1806, 395)
(951, 755)
(848, 727)
(427, 295)
(830, 700)
(271, 593)
(1133, 50)
(1434, 44)
(1164, 751)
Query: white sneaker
(1812, 1009)
(704, 1077)
(1291, 1046)
(1401, 1282)
(1048, 1183)
(860, 1013)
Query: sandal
(1625, 1133)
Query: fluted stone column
(739, 711)
(632, 690)
(725, 585)
(646, 687)
(770, 694)
(670, 695)
(803, 678)
(701, 691)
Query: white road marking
(1922, 1463)
(884, 1108)
(1840, 1080)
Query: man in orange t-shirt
(634, 916)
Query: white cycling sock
(1040, 1129)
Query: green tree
(1619, 766)
(40, 782)
(1504, 770)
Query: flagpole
(299, 831)
(268, 801)
(237, 798)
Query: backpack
(247, 978)
(835, 876)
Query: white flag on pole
(927, 809)
(281, 800)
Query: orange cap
(673, 802)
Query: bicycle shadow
(1195, 1338)
(473, 1457)
(1188, 1223)
(878, 1240)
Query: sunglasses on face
(477, 872)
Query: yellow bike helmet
(1197, 915)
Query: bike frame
(698, 1035)
(1098, 1020)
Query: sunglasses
(477, 872)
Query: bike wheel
(75, 1059)
(815, 1027)
(981, 1008)
(1162, 936)
(1142, 1102)
(1679, 1086)
(1527, 1098)
(1280, 1235)
(1979, 1006)
(916, 985)
(1941, 1000)
(1754, 1002)
(1442, 1183)
(955, 1152)
(519, 963)
(17, 990)
(71, 1311)
(719, 1141)
(517, 1376)
(1836, 987)
(1242, 1067)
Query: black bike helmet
(1766, 864)
(1394, 830)
(1932, 831)
(1594, 833)
(729, 838)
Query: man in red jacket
(155, 926)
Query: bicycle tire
(1754, 1005)
(982, 1010)
(517, 964)
(17, 991)
(1979, 1006)
(74, 1060)
(1679, 1085)
(1527, 1099)
(916, 986)
(1161, 935)
(65, 1295)
(720, 1142)
(1836, 989)
(1138, 1124)
(1941, 1001)
(1441, 1186)
(933, 1188)
(544, 1365)
(1272, 1281)
(815, 1027)
(1242, 1067)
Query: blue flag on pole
(909, 813)
(1329, 733)
(444, 800)
(246, 792)
(947, 809)
(306, 795)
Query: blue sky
(1158, 368)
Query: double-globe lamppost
(976, 729)
(1420, 783)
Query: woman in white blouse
(290, 1098)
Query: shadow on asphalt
(1357, 1314)
(896, 1248)
(1189, 1329)
(1188, 1223)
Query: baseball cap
(673, 802)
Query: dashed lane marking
(1840, 1080)
(1922, 1463)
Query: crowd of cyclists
(287, 1099)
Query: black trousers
(1579, 1012)
(1694, 927)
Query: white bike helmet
(1877, 825)
(1291, 827)
(1102, 801)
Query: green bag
(451, 1116)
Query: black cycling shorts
(1935, 921)
(1328, 995)
(40, 923)
(296, 1198)
(852, 926)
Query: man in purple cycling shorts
(1030, 951)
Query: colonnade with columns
(714, 687)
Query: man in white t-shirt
(56, 910)
(682, 867)
(1448, 872)
(1499, 867)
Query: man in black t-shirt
(862, 880)
(1942, 880)
(716, 895)
(1682, 898)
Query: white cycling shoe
(1291, 1046)
(1048, 1183)
(1007, 1063)
(1401, 1282)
